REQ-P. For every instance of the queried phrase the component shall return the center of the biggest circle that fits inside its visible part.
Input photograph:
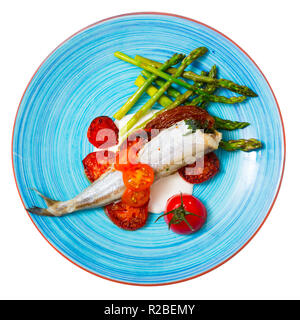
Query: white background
(268, 267)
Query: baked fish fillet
(171, 149)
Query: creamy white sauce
(165, 187)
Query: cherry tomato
(211, 166)
(127, 217)
(103, 133)
(138, 177)
(97, 163)
(184, 214)
(136, 198)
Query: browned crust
(170, 117)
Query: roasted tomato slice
(211, 166)
(122, 160)
(103, 133)
(128, 154)
(97, 163)
(138, 177)
(169, 117)
(136, 198)
(127, 217)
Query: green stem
(223, 124)
(210, 88)
(171, 91)
(178, 215)
(167, 103)
(166, 76)
(241, 144)
(223, 83)
(179, 97)
(135, 97)
(201, 84)
(151, 91)
(195, 54)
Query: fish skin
(176, 147)
(110, 186)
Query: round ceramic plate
(80, 80)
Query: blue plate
(80, 80)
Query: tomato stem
(179, 215)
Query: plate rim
(282, 127)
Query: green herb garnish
(197, 124)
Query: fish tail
(43, 211)
(40, 211)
